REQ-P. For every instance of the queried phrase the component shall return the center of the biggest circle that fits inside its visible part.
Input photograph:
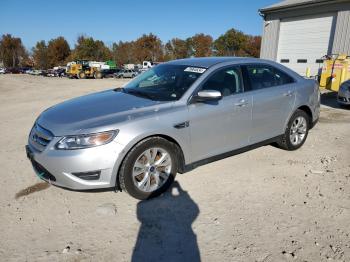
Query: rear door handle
(289, 93)
(241, 103)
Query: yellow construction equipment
(335, 70)
(81, 69)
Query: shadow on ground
(32, 189)
(165, 233)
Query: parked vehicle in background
(126, 74)
(111, 64)
(109, 73)
(36, 72)
(344, 94)
(22, 70)
(2, 70)
(129, 66)
(172, 118)
(12, 70)
(49, 73)
(149, 64)
(81, 69)
(60, 72)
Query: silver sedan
(173, 118)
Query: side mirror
(207, 95)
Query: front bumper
(62, 167)
(343, 97)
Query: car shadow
(166, 231)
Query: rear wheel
(296, 131)
(98, 75)
(149, 168)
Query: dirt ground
(263, 205)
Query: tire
(98, 75)
(295, 137)
(128, 179)
(81, 75)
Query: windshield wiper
(119, 89)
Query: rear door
(221, 126)
(273, 94)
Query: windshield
(164, 82)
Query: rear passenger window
(228, 81)
(264, 76)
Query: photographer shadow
(166, 228)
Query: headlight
(345, 86)
(85, 141)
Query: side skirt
(205, 161)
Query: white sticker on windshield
(195, 70)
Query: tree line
(148, 47)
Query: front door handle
(241, 103)
(289, 93)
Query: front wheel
(149, 168)
(296, 131)
(81, 75)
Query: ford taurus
(171, 119)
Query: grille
(39, 137)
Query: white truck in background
(147, 64)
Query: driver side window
(228, 81)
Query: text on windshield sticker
(195, 70)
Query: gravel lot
(263, 205)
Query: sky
(113, 21)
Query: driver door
(220, 126)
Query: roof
(291, 4)
(207, 62)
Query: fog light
(93, 175)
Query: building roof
(207, 62)
(291, 3)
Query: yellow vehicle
(81, 69)
(335, 70)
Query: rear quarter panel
(308, 94)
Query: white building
(298, 33)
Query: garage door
(303, 41)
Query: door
(273, 94)
(220, 126)
(304, 40)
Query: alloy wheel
(151, 169)
(298, 130)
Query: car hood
(97, 112)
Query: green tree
(148, 48)
(57, 50)
(123, 53)
(232, 43)
(200, 45)
(254, 44)
(40, 55)
(176, 49)
(12, 51)
(90, 49)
